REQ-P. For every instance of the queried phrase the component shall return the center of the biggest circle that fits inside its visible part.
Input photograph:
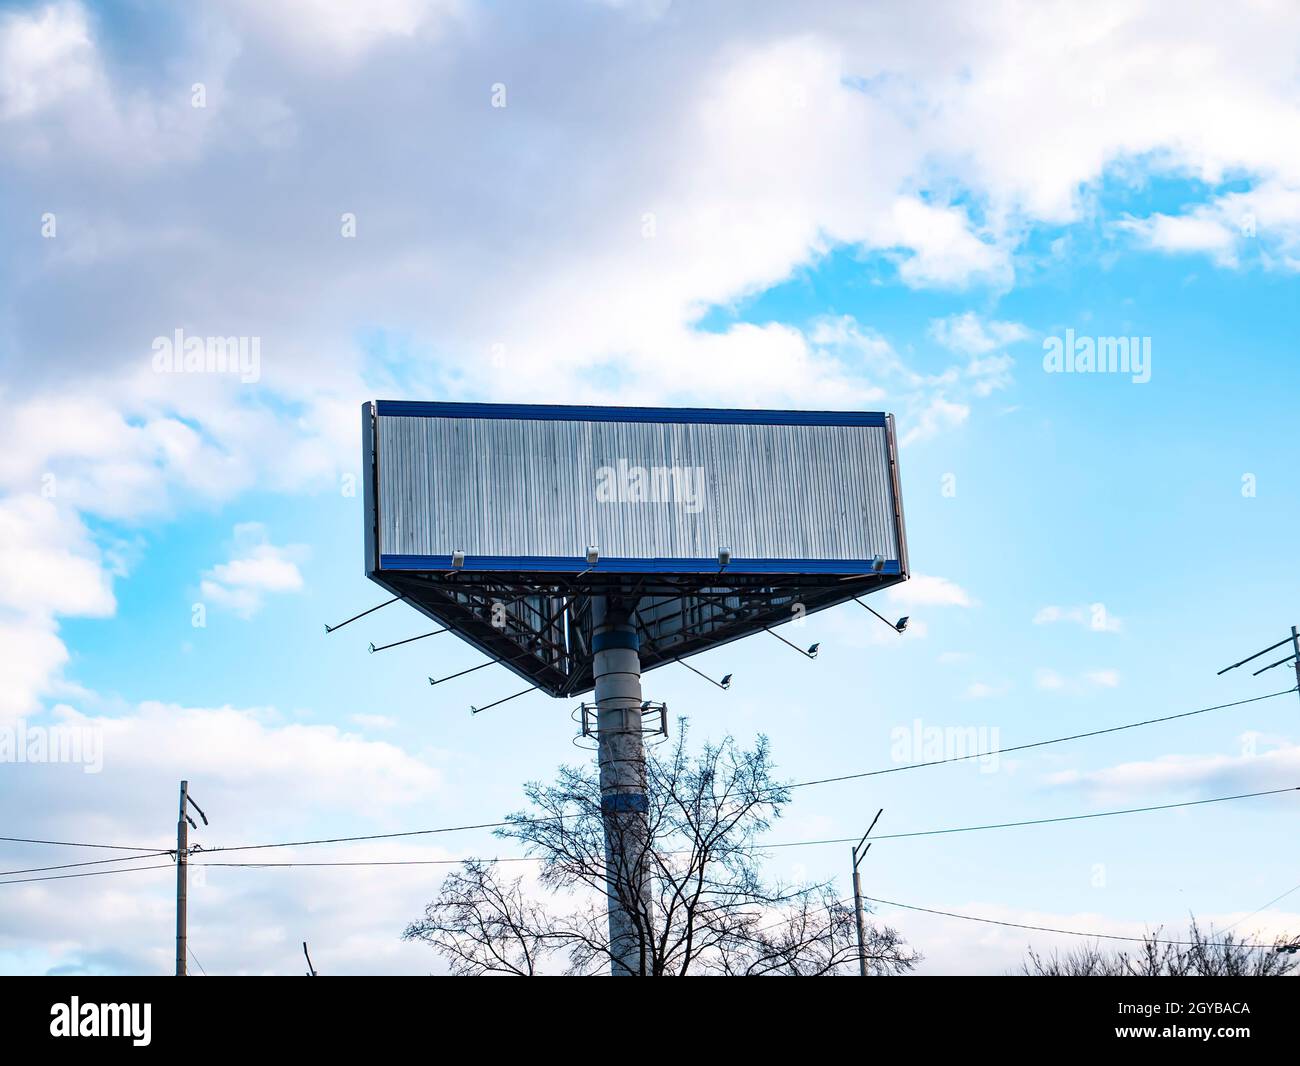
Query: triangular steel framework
(539, 626)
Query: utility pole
(182, 864)
(1295, 644)
(621, 754)
(183, 824)
(857, 894)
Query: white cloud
(256, 568)
(259, 781)
(1266, 218)
(762, 366)
(1051, 681)
(927, 590)
(49, 567)
(45, 55)
(327, 31)
(983, 690)
(1196, 232)
(989, 374)
(944, 252)
(969, 334)
(31, 655)
(757, 149)
(1092, 616)
(49, 564)
(1260, 765)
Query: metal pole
(1295, 643)
(182, 846)
(621, 754)
(857, 910)
(857, 893)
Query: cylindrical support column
(182, 858)
(621, 751)
(857, 913)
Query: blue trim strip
(624, 801)
(615, 639)
(571, 413)
(577, 563)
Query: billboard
(717, 522)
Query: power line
(803, 784)
(286, 844)
(371, 862)
(1262, 907)
(196, 960)
(89, 873)
(74, 844)
(1036, 743)
(1052, 929)
(810, 843)
(93, 862)
(758, 847)
(1043, 821)
(380, 836)
(797, 784)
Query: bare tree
(1203, 954)
(483, 926)
(691, 882)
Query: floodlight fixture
(724, 684)
(897, 627)
(878, 564)
(593, 557)
(724, 558)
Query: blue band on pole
(624, 801)
(616, 638)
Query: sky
(843, 206)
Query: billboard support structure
(624, 804)
(579, 546)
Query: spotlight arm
(892, 625)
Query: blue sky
(822, 209)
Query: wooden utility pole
(182, 849)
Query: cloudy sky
(871, 206)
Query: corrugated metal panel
(523, 487)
